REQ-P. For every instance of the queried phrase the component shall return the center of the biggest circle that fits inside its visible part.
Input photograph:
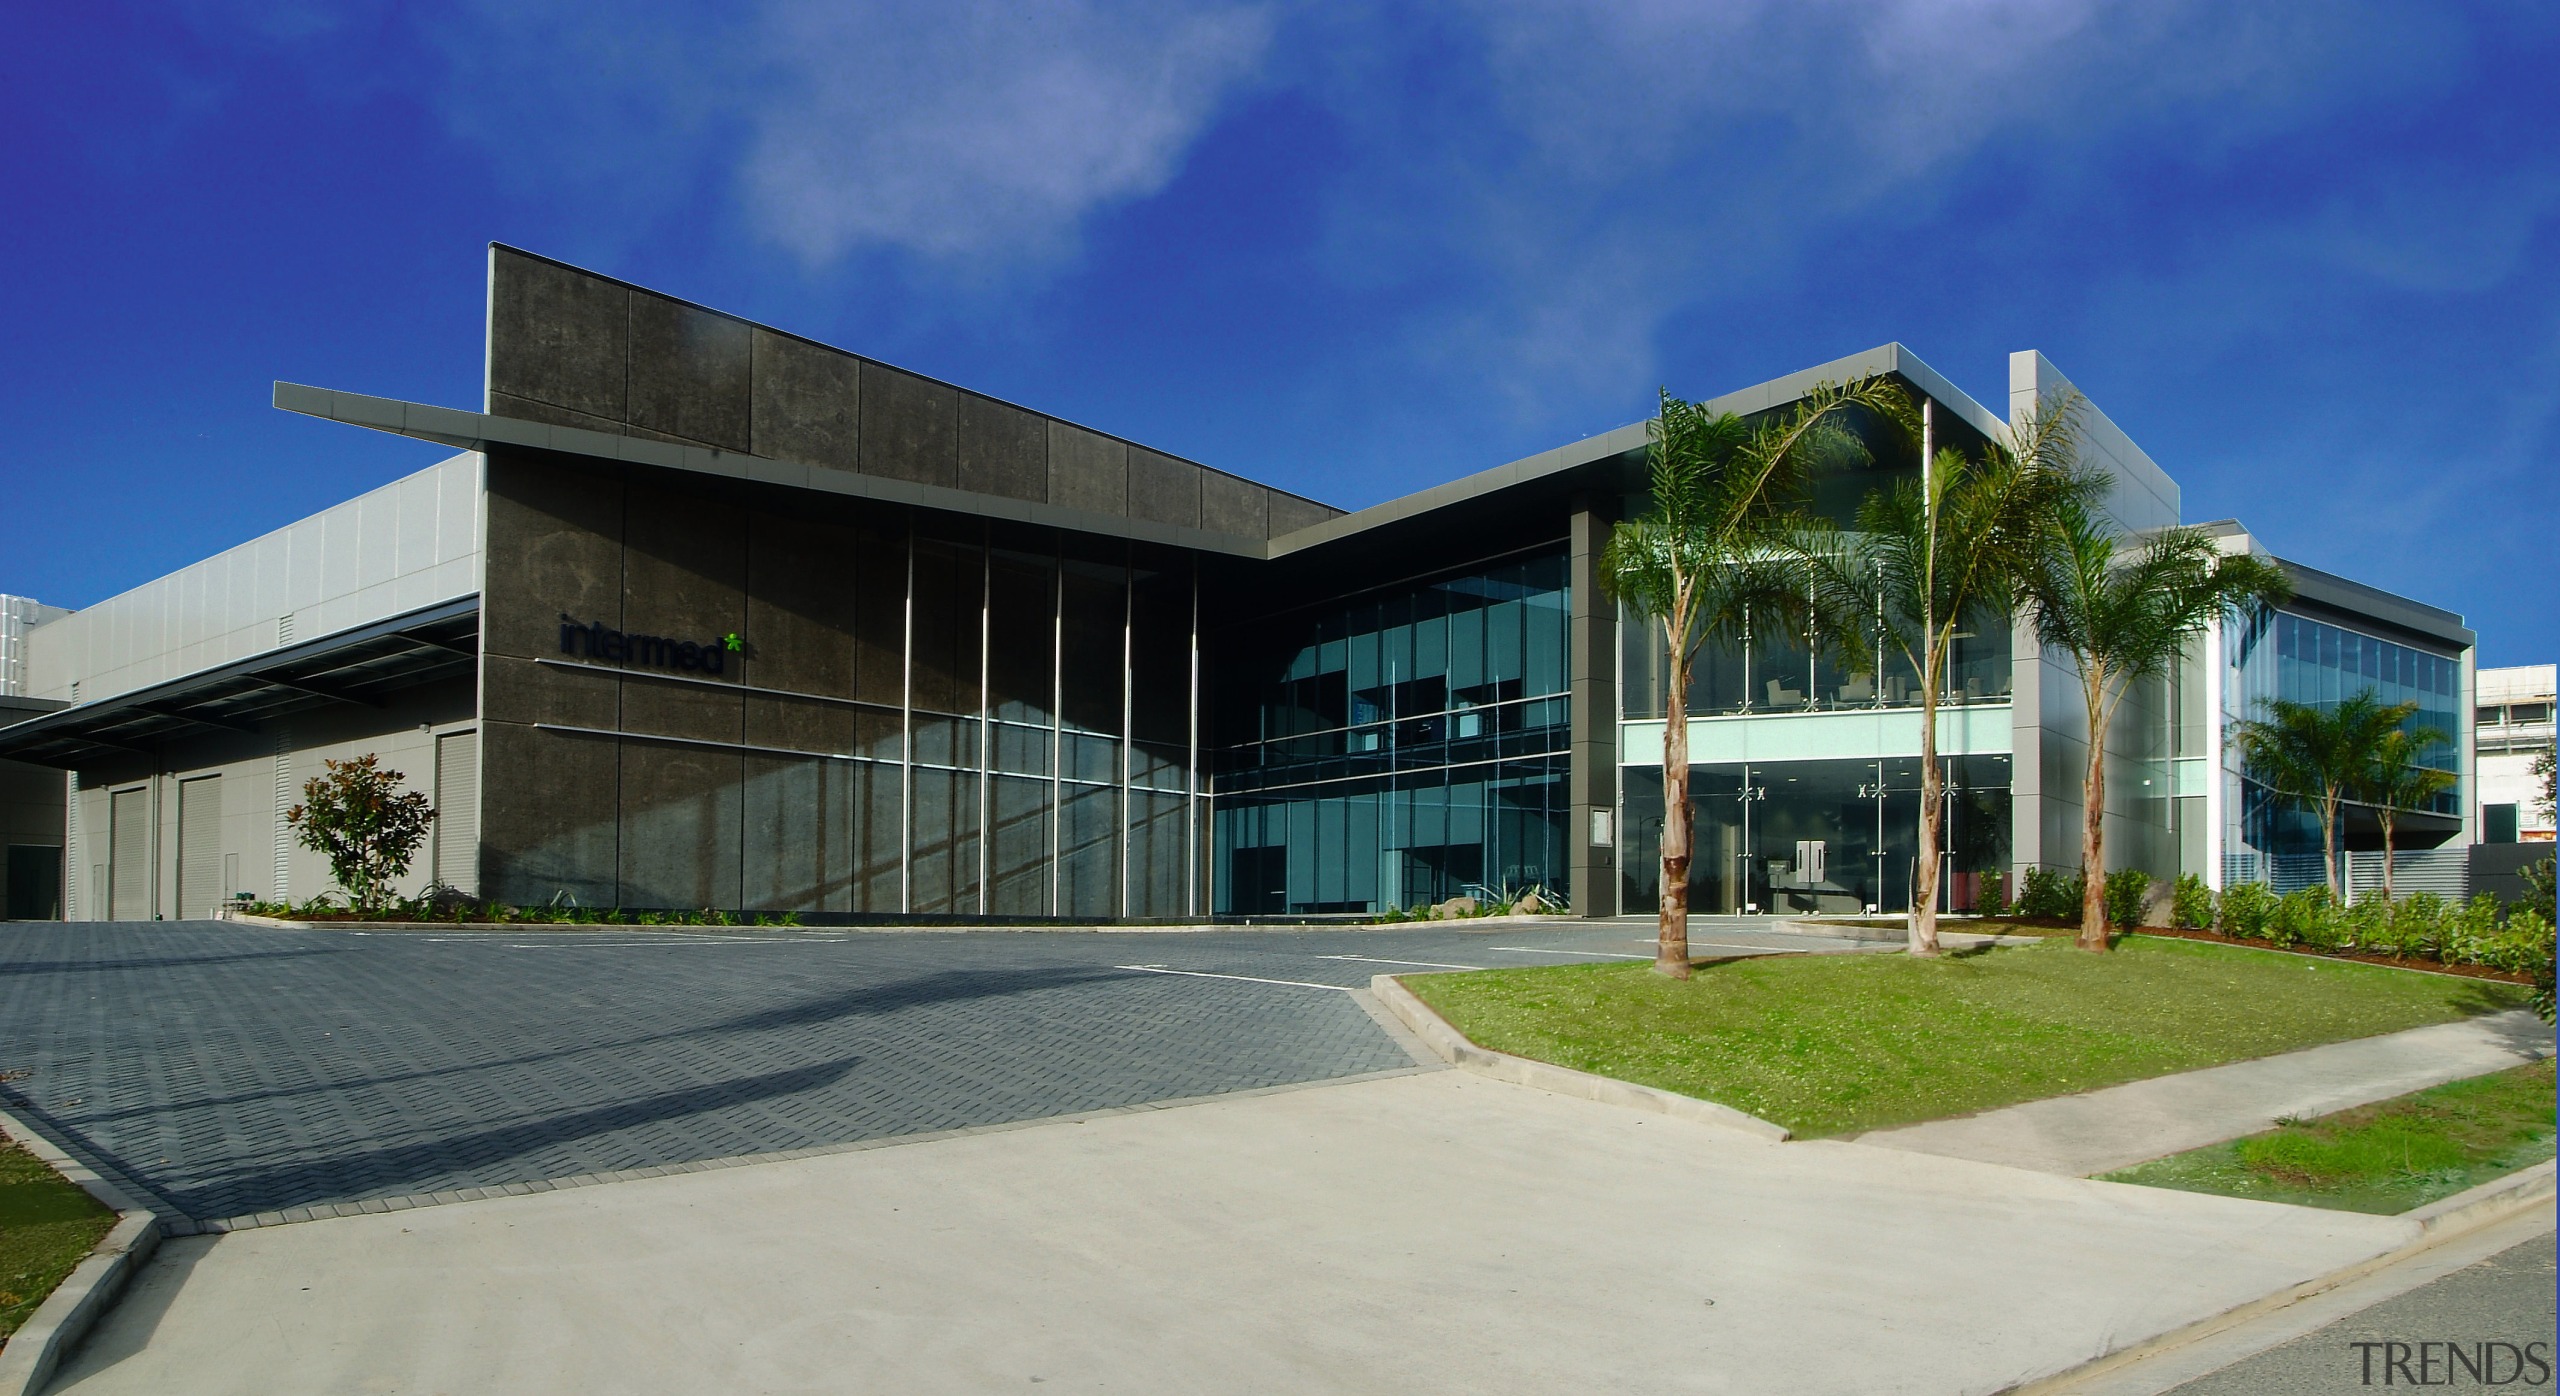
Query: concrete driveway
(1433, 1231)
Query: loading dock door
(129, 855)
(199, 846)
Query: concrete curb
(1453, 1047)
(84, 1295)
(2493, 1199)
(2439, 1223)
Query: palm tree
(1932, 555)
(1717, 554)
(2124, 620)
(2397, 782)
(2317, 756)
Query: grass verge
(2386, 1157)
(47, 1226)
(1837, 1044)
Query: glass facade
(2280, 655)
(1790, 673)
(1021, 707)
(1817, 836)
(1397, 747)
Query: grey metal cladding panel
(807, 402)
(1163, 489)
(1290, 513)
(1004, 451)
(910, 427)
(1088, 470)
(1232, 506)
(558, 336)
(690, 371)
(2354, 600)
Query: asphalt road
(2470, 1329)
(236, 1072)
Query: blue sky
(2307, 254)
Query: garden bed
(2387, 1157)
(1839, 1044)
(2362, 957)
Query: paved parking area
(236, 1072)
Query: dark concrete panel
(800, 611)
(689, 372)
(1162, 489)
(807, 402)
(684, 577)
(519, 690)
(528, 410)
(681, 826)
(800, 725)
(1290, 513)
(555, 545)
(558, 336)
(910, 427)
(1088, 470)
(1004, 450)
(1233, 506)
(548, 822)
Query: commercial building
(706, 614)
(2513, 727)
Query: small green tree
(358, 818)
(2318, 756)
(2398, 782)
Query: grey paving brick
(238, 1071)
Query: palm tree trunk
(2093, 847)
(1924, 870)
(2382, 812)
(1671, 938)
(2329, 846)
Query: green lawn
(1837, 1044)
(2385, 1157)
(47, 1226)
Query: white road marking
(1374, 960)
(1247, 978)
(1586, 954)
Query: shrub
(2247, 911)
(2305, 917)
(2470, 932)
(2124, 891)
(2191, 904)
(2417, 920)
(2049, 894)
(2365, 925)
(1993, 899)
(357, 817)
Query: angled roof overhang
(362, 667)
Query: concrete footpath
(2098, 1131)
(1428, 1232)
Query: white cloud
(977, 129)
